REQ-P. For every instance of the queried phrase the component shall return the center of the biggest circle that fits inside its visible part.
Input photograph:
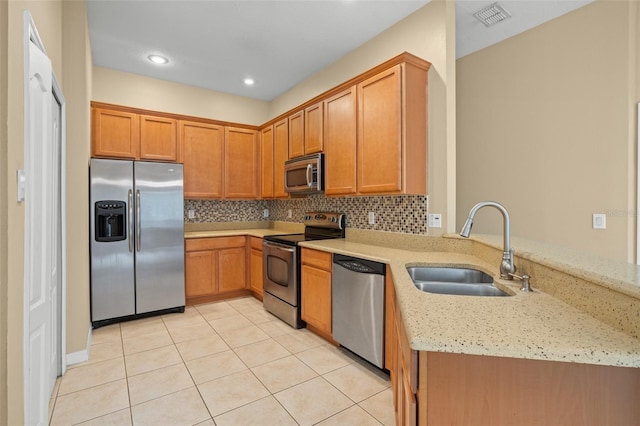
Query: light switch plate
(599, 221)
(21, 183)
(434, 220)
(289, 214)
(372, 218)
(191, 214)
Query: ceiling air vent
(492, 14)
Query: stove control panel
(324, 219)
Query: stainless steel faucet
(507, 268)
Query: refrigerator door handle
(130, 221)
(138, 220)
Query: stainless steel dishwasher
(357, 304)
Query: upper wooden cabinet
(124, 134)
(296, 134)
(340, 143)
(266, 162)
(392, 132)
(241, 163)
(313, 128)
(306, 130)
(158, 139)
(202, 148)
(115, 134)
(280, 155)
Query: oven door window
(277, 270)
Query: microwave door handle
(309, 175)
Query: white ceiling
(215, 44)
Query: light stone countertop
(260, 233)
(531, 326)
(526, 325)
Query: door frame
(30, 34)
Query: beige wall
(3, 211)
(545, 125)
(428, 33)
(77, 68)
(138, 91)
(62, 28)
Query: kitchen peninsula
(531, 358)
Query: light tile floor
(222, 363)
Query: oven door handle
(269, 244)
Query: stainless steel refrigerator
(137, 239)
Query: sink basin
(455, 281)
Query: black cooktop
(319, 226)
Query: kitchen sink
(454, 281)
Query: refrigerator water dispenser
(110, 221)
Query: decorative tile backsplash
(397, 213)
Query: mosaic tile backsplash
(397, 213)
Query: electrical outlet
(265, 213)
(191, 214)
(372, 218)
(599, 221)
(289, 214)
(434, 220)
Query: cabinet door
(379, 133)
(200, 273)
(158, 138)
(115, 134)
(240, 163)
(232, 269)
(313, 123)
(255, 268)
(296, 135)
(202, 147)
(340, 143)
(267, 163)
(316, 297)
(280, 155)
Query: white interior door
(55, 278)
(42, 234)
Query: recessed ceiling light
(157, 59)
(249, 81)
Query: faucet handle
(525, 281)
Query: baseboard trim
(80, 356)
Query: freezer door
(112, 259)
(159, 241)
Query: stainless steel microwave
(304, 175)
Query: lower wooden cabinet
(401, 361)
(255, 266)
(215, 268)
(316, 291)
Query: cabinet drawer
(197, 244)
(319, 259)
(255, 243)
